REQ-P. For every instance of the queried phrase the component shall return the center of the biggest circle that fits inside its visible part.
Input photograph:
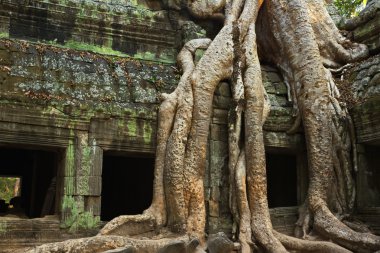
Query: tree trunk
(301, 39)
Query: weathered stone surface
(92, 204)
(220, 117)
(372, 27)
(371, 217)
(60, 77)
(365, 78)
(366, 26)
(219, 243)
(88, 185)
(280, 119)
(213, 207)
(284, 219)
(110, 104)
(112, 27)
(29, 232)
(366, 117)
(219, 132)
(219, 148)
(174, 247)
(222, 102)
(85, 85)
(283, 140)
(223, 89)
(69, 185)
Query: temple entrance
(369, 183)
(127, 184)
(373, 156)
(34, 172)
(282, 180)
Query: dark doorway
(37, 170)
(282, 180)
(127, 185)
(373, 176)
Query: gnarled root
(130, 225)
(328, 225)
(98, 244)
(301, 37)
(299, 245)
(334, 48)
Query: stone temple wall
(85, 80)
(85, 103)
(364, 82)
(132, 27)
(80, 104)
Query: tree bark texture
(299, 37)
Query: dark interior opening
(373, 175)
(127, 185)
(37, 170)
(282, 180)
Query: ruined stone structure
(79, 88)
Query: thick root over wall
(301, 39)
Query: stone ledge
(130, 29)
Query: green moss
(4, 35)
(7, 185)
(132, 127)
(78, 218)
(3, 227)
(152, 57)
(93, 48)
(86, 221)
(198, 54)
(86, 160)
(147, 133)
(82, 185)
(70, 159)
(109, 51)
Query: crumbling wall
(58, 94)
(363, 80)
(136, 28)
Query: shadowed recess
(282, 180)
(36, 168)
(127, 185)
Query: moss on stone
(132, 127)
(70, 159)
(148, 133)
(4, 35)
(86, 157)
(78, 219)
(3, 227)
(152, 57)
(87, 47)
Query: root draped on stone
(300, 38)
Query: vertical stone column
(218, 187)
(82, 183)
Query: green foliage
(4, 35)
(7, 185)
(78, 218)
(3, 227)
(87, 47)
(109, 51)
(350, 8)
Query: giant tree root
(99, 244)
(300, 245)
(299, 37)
